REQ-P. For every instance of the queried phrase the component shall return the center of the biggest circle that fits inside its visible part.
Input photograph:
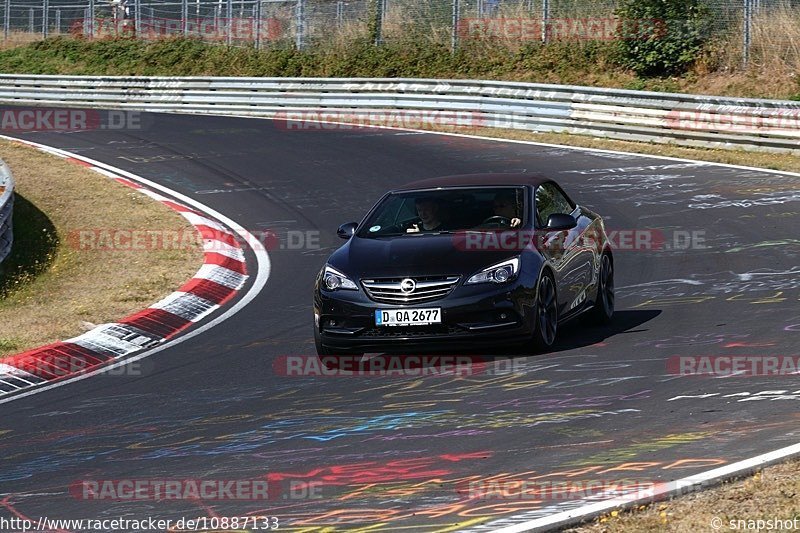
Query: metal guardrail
(704, 121)
(6, 208)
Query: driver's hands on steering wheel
(500, 220)
(414, 226)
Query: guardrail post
(257, 25)
(456, 18)
(45, 18)
(229, 22)
(185, 16)
(380, 10)
(746, 29)
(137, 17)
(91, 18)
(300, 24)
(7, 19)
(545, 18)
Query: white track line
(262, 272)
(661, 492)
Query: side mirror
(560, 222)
(346, 231)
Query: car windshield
(446, 211)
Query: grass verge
(768, 495)
(590, 63)
(51, 288)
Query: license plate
(408, 317)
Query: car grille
(427, 289)
(412, 331)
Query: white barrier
(706, 121)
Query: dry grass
(773, 493)
(19, 38)
(346, 33)
(774, 62)
(399, 23)
(78, 288)
(772, 71)
(774, 50)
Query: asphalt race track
(395, 453)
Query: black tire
(546, 314)
(603, 309)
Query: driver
(505, 205)
(430, 213)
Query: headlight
(499, 273)
(333, 280)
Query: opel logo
(408, 285)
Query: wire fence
(749, 24)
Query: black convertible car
(464, 262)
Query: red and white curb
(222, 275)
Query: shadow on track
(577, 334)
(574, 334)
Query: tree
(662, 37)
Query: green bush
(662, 37)
(555, 62)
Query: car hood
(418, 255)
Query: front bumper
(473, 317)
